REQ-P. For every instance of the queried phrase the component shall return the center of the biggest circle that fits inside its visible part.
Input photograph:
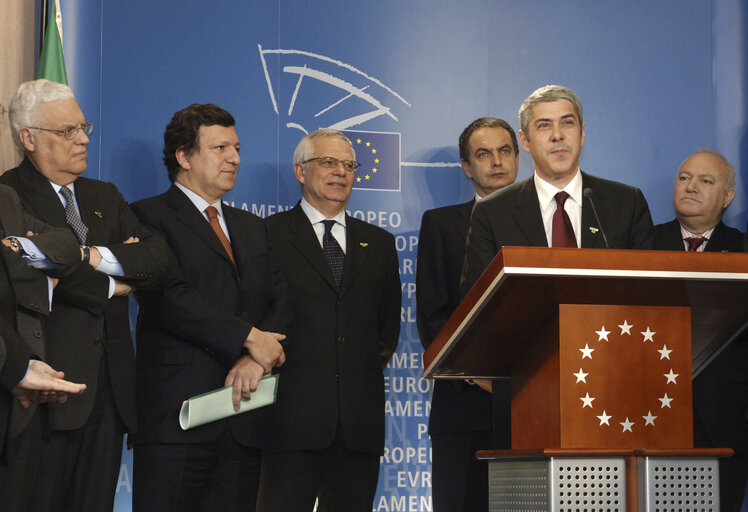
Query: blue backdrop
(656, 78)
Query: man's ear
(299, 171)
(183, 159)
(27, 139)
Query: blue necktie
(334, 254)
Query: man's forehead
(481, 134)
(560, 108)
(215, 132)
(704, 163)
(64, 111)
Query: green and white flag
(52, 60)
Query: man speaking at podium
(556, 206)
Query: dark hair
(484, 122)
(183, 131)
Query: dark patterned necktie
(694, 242)
(334, 254)
(562, 232)
(72, 217)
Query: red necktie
(213, 220)
(694, 242)
(562, 232)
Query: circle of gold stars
(373, 171)
(581, 376)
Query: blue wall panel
(656, 79)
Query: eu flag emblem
(379, 156)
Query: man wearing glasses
(88, 330)
(325, 433)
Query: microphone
(588, 194)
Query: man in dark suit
(88, 331)
(214, 323)
(326, 432)
(704, 188)
(548, 210)
(25, 300)
(461, 416)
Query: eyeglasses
(69, 133)
(329, 162)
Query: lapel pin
(364, 244)
(98, 214)
(593, 230)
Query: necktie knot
(328, 226)
(212, 212)
(694, 242)
(561, 198)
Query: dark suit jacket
(340, 339)
(191, 330)
(24, 302)
(14, 360)
(720, 392)
(455, 406)
(724, 238)
(84, 321)
(512, 217)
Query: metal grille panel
(682, 484)
(590, 483)
(518, 486)
(559, 484)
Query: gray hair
(730, 184)
(547, 94)
(25, 104)
(305, 149)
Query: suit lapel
(357, 249)
(592, 237)
(463, 220)
(306, 242)
(91, 214)
(527, 215)
(188, 214)
(41, 199)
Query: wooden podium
(601, 345)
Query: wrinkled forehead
(60, 113)
(706, 164)
(332, 146)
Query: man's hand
(44, 384)
(244, 376)
(484, 384)
(264, 347)
(132, 240)
(121, 289)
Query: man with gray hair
(88, 331)
(325, 434)
(554, 207)
(704, 188)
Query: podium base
(560, 480)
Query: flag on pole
(52, 61)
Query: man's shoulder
(506, 196)
(448, 212)
(667, 226)
(589, 180)
(367, 229)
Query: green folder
(218, 404)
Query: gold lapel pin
(593, 230)
(364, 244)
(98, 214)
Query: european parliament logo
(379, 156)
